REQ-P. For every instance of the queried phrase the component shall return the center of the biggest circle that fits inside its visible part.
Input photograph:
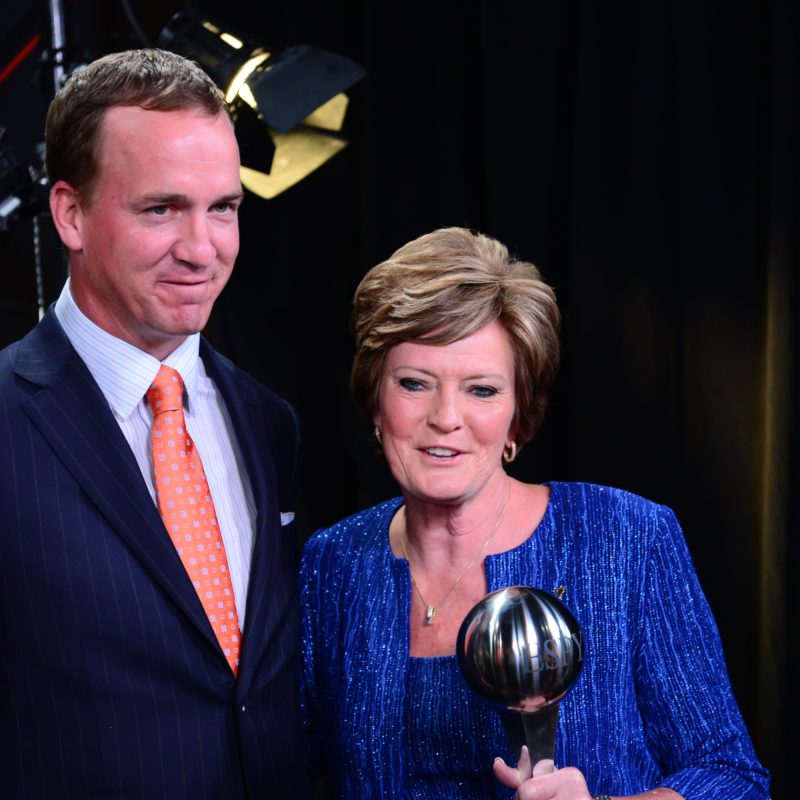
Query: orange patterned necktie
(187, 509)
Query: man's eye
(411, 384)
(224, 208)
(158, 211)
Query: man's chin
(169, 334)
(187, 319)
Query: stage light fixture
(288, 107)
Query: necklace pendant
(429, 612)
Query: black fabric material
(644, 157)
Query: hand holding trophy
(522, 650)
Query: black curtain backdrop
(644, 156)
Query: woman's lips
(441, 452)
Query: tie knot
(166, 392)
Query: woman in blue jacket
(456, 346)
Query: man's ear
(66, 211)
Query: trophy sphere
(520, 648)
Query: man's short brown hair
(155, 80)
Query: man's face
(156, 242)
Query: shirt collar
(123, 372)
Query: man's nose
(195, 245)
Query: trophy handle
(537, 731)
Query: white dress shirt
(124, 374)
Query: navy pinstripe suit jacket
(111, 679)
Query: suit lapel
(252, 430)
(72, 415)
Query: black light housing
(288, 107)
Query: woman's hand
(543, 782)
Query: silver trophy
(522, 650)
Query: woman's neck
(446, 547)
(428, 528)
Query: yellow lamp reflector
(330, 115)
(245, 71)
(297, 154)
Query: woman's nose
(445, 412)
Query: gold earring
(377, 434)
(510, 452)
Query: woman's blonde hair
(443, 287)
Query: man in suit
(137, 658)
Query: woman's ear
(66, 211)
(513, 429)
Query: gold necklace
(430, 609)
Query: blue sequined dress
(653, 706)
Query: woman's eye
(484, 391)
(410, 384)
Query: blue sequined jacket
(652, 707)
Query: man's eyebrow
(163, 199)
(234, 197)
(182, 199)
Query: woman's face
(445, 414)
